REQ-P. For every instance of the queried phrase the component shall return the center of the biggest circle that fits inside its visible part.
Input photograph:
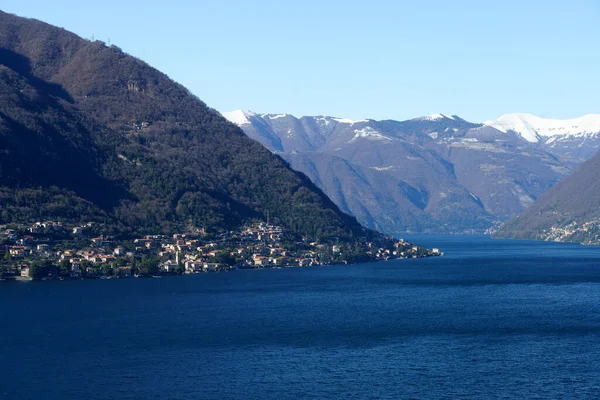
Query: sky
(357, 59)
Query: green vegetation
(89, 133)
(4, 263)
(40, 268)
(147, 266)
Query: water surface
(490, 319)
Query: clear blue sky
(358, 59)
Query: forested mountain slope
(88, 132)
(569, 211)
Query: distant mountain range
(433, 174)
(90, 133)
(575, 139)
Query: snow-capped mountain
(535, 129)
(575, 139)
(437, 173)
(239, 117)
(437, 117)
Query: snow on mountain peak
(348, 121)
(368, 133)
(275, 116)
(523, 124)
(239, 117)
(436, 117)
(327, 120)
(533, 128)
(242, 117)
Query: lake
(490, 319)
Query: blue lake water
(490, 319)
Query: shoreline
(230, 269)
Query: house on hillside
(98, 241)
(276, 261)
(124, 272)
(75, 270)
(10, 234)
(193, 266)
(169, 266)
(278, 251)
(260, 261)
(108, 259)
(17, 251)
(303, 262)
(43, 248)
(211, 267)
(27, 239)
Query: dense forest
(90, 133)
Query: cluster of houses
(587, 232)
(255, 246)
(401, 249)
(75, 259)
(258, 245)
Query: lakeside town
(52, 250)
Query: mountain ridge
(587, 124)
(471, 174)
(89, 132)
(535, 129)
(568, 212)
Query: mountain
(88, 132)
(575, 139)
(569, 211)
(437, 174)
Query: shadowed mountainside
(569, 211)
(88, 132)
(436, 174)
